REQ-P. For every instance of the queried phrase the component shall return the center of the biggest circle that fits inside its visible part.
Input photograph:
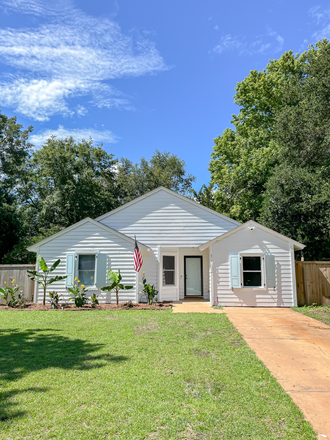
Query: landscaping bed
(72, 307)
(321, 313)
(113, 374)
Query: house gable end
(252, 224)
(77, 225)
(164, 218)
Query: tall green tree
(14, 151)
(302, 126)
(69, 181)
(205, 196)
(244, 156)
(274, 165)
(163, 169)
(297, 204)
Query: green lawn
(321, 313)
(136, 375)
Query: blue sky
(142, 75)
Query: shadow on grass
(6, 404)
(24, 352)
(27, 351)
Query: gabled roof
(173, 193)
(297, 245)
(34, 247)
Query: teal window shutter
(235, 271)
(101, 270)
(270, 271)
(70, 270)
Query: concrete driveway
(296, 349)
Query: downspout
(211, 275)
(294, 281)
(35, 295)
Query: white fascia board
(35, 246)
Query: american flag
(137, 258)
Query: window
(252, 272)
(86, 269)
(168, 270)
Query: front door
(193, 276)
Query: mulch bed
(72, 307)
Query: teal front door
(193, 276)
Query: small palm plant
(115, 284)
(43, 278)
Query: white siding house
(188, 250)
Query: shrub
(149, 291)
(21, 300)
(8, 294)
(94, 300)
(54, 299)
(79, 294)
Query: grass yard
(321, 313)
(136, 375)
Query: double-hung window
(252, 271)
(168, 270)
(86, 269)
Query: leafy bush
(54, 299)
(79, 294)
(94, 300)
(8, 294)
(149, 291)
(21, 300)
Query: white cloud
(266, 43)
(229, 43)
(322, 17)
(81, 110)
(98, 136)
(318, 14)
(38, 98)
(77, 55)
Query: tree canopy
(163, 169)
(279, 141)
(65, 181)
(14, 151)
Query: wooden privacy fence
(313, 282)
(18, 273)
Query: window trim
(96, 253)
(170, 286)
(262, 270)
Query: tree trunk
(117, 296)
(45, 287)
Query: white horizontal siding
(255, 241)
(90, 238)
(150, 269)
(162, 219)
